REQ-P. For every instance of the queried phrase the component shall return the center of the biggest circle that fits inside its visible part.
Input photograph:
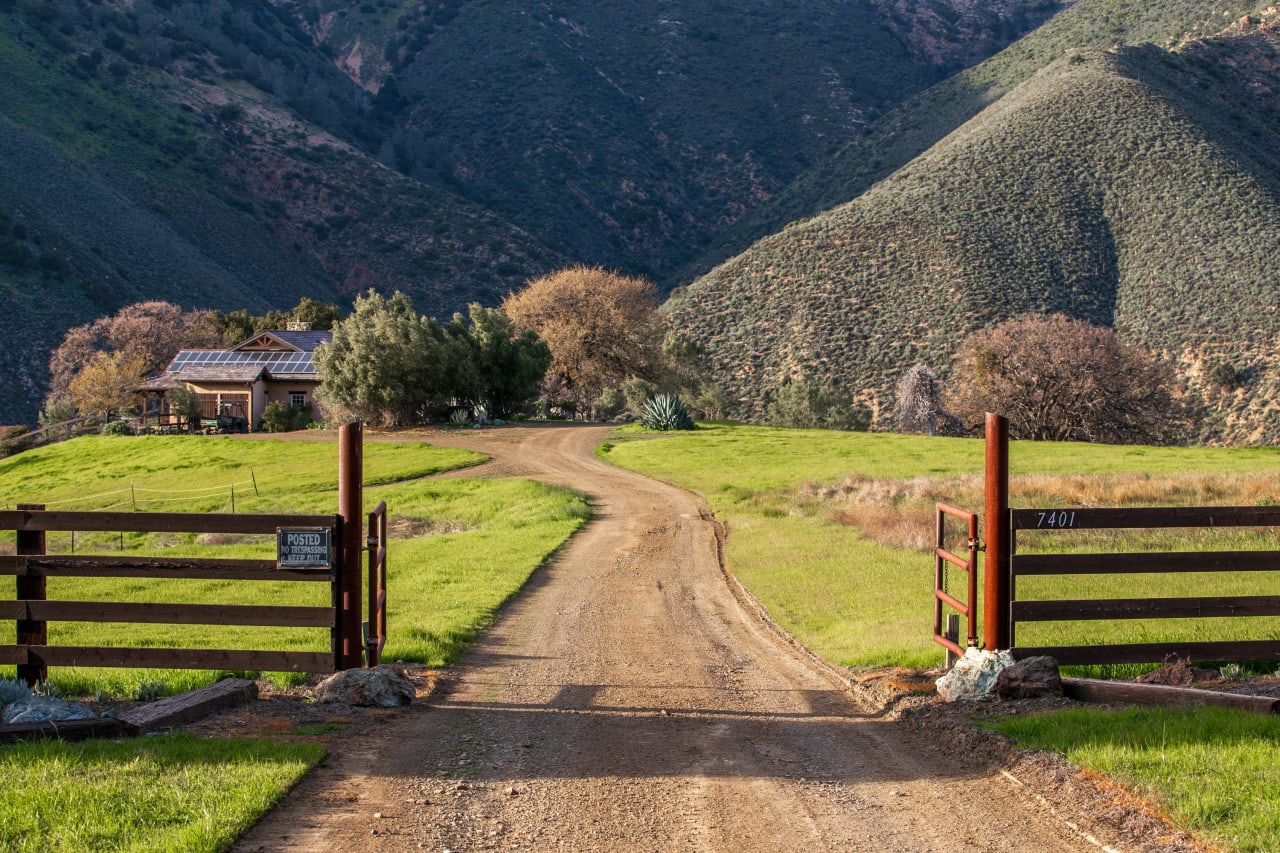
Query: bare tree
(151, 331)
(1062, 379)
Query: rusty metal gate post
(350, 504)
(995, 605)
(31, 543)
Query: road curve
(627, 700)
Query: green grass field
(1214, 770)
(460, 548)
(169, 793)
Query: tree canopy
(1061, 379)
(509, 365)
(601, 327)
(391, 367)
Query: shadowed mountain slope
(141, 162)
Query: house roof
(280, 355)
(279, 339)
(274, 361)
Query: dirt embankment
(633, 698)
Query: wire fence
(141, 499)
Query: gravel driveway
(633, 698)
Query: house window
(297, 398)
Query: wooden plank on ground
(70, 730)
(1268, 650)
(1069, 610)
(159, 522)
(1094, 690)
(157, 567)
(181, 614)
(234, 660)
(190, 706)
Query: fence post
(350, 501)
(31, 543)
(995, 605)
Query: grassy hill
(1137, 187)
(919, 122)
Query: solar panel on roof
(279, 361)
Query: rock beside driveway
(1030, 679)
(379, 687)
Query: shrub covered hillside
(1137, 187)
(238, 154)
(918, 123)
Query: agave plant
(11, 690)
(665, 412)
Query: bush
(665, 412)
(608, 405)
(282, 417)
(1057, 378)
(118, 428)
(816, 405)
(56, 410)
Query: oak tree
(601, 327)
(107, 384)
(1063, 379)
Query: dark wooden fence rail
(1025, 565)
(32, 612)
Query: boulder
(379, 687)
(1029, 679)
(974, 675)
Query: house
(239, 382)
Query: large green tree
(509, 365)
(389, 366)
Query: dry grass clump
(412, 528)
(900, 513)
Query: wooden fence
(350, 640)
(1028, 565)
(32, 610)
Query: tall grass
(833, 531)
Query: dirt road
(631, 700)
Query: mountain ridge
(1096, 188)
